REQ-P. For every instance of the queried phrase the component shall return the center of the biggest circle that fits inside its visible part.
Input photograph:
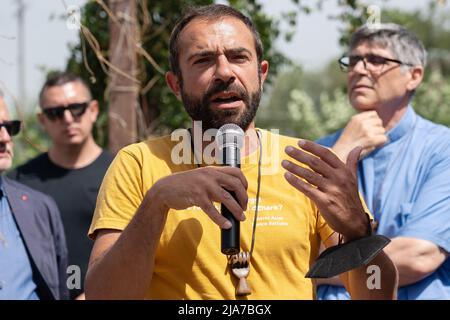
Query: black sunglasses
(348, 63)
(75, 109)
(12, 127)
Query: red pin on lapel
(24, 198)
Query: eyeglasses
(372, 62)
(75, 109)
(12, 127)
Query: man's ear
(174, 84)
(416, 78)
(94, 108)
(264, 71)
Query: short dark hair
(55, 79)
(209, 12)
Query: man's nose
(4, 135)
(68, 116)
(224, 71)
(360, 67)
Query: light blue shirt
(16, 275)
(406, 185)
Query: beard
(199, 108)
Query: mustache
(221, 86)
(361, 81)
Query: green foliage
(31, 141)
(314, 104)
(432, 99)
(320, 93)
(307, 104)
(432, 28)
(298, 109)
(96, 21)
(162, 112)
(273, 113)
(311, 123)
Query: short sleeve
(120, 194)
(323, 229)
(428, 218)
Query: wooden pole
(123, 91)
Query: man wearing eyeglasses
(33, 253)
(404, 171)
(73, 168)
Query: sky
(46, 40)
(317, 37)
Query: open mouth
(227, 100)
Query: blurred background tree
(313, 104)
(30, 141)
(301, 103)
(161, 111)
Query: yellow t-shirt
(188, 263)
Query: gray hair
(402, 43)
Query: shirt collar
(2, 192)
(403, 126)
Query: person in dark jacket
(33, 252)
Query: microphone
(230, 139)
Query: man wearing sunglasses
(33, 253)
(73, 168)
(404, 171)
